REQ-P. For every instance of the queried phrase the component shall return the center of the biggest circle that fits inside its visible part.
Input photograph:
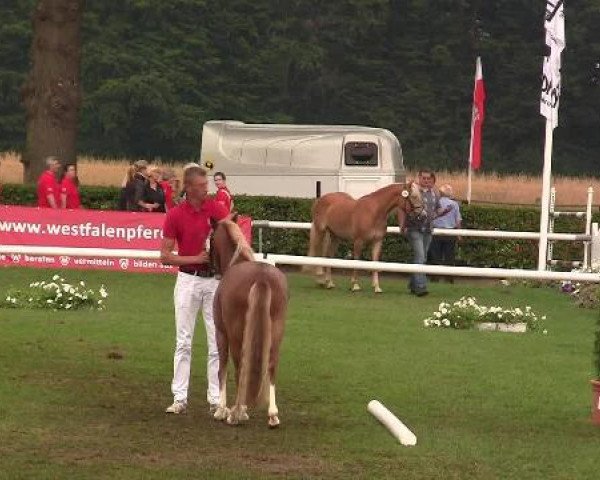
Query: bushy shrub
(55, 294)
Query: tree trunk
(52, 92)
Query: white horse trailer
(301, 160)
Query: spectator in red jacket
(223, 195)
(69, 188)
(167, 183)
(48, 188)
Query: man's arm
(167, 257)
(63, 200)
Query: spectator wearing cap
(48, 188)
(443, 248)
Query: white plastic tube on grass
(392, 423)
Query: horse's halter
(412, 195)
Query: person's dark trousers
(419, 242)
(442, 252)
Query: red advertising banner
(81, 228)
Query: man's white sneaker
(177, 407)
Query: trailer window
(360, 153)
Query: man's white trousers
(191, 294)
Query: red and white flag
(477, 118)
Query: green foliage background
(154, 71)
(471, 251)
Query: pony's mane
(414, 189)
(385, 189)
(239, 240)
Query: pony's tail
(256, 346)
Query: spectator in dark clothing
(153, 196)
(133, 187)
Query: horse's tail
(314, 249)
(256, 346)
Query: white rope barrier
(81, 251)
(433, 269)
(275, 259)
(463, 232)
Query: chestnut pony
(250, 307)
(337, 216)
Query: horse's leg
(222, 411)
(329, 244)
(273, 411)
(321, 237)
(333, 246)
(316, 239)
(375, 254)
(234, 414)
(356, 251)
(223, 347)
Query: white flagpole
(470, 169)
(470, 166)
(555, 39)
(470, 174)
(546, 181)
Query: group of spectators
(148, 188)
(58, 187)
(440, 211)
(145, 188)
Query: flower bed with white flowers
(466, 313)
(56, 294)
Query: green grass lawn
(483, 405)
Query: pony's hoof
(378, 290)
(320, 281)
(356, 287)
(221, 413)
(274, 421)
(232, 419)
(329, 285)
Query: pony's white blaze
(392, 423)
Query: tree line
(153, 71)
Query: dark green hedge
(471, 251)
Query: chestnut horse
(337, 216)
(249, 311)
